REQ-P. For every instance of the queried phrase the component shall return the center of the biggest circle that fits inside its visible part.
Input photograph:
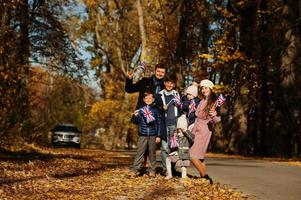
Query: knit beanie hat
(206, 83)
(193, 90)
(182, 122)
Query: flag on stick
(220, 101)
(147, 113)
(174, 141)
(192, 107)
(143, 66)
(177, 99)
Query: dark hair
(160, 65)
(169, 78)
(211, 100)
(146, 93)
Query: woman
(205, 114)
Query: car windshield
(66, 129)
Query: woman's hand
(212, 113)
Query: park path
(258, 179)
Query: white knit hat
(182, 122)
(206, 83)
(193, 90)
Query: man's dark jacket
(148, 84)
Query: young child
(171, 104)
(190, 103)
(180, 142)
(148, 120)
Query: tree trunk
(290, 81)
(144, 56)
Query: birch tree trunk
(142, 32)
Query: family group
(180, 123)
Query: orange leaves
(88, 174)
(91, 2)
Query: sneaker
(208, 178)
(168, 177)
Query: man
(153, 84)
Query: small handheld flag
(220, 101)
(174, 141)
(177, 99)
(192, 106)
(147, 114)
(143, 66)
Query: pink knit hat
(193, 90)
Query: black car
(65, 134)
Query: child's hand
(136, 112)
(165, 107)
(180, 133)
(212, 113)
(158, 140)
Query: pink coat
(201, 132)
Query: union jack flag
(177, 99)
(147, 113)
(220, 101)
(143, 65)
(173, 143)
(192, 106)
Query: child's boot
(184, 172)
(168, 174)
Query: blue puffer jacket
(149, 129)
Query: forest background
(250, 48)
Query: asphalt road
(256, 179)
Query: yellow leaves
(225, 89)
(223, 56)
(103, 109)
(206, 56)
(82, 174)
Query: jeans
(164, 145)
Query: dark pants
(144, 143)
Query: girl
(205, 113)
(189, 104)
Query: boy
(171, 103)
(148, 120)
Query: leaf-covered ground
(63, 173)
